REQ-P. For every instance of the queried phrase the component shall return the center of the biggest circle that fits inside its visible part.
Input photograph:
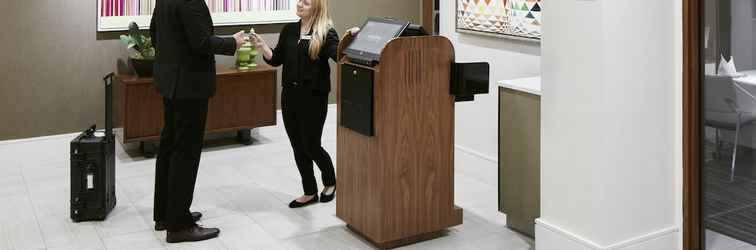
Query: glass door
(728, 112)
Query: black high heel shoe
(325, 198)
(296, 204)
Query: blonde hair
(321, 24)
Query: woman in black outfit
(304, 49)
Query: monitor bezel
(359, 54)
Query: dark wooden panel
(400, 183)
(243, 100)
(144, 111)
(415, 112)
(693, 233)
(358, 193)
(428, 15)
(119, 105)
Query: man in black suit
(185, 46)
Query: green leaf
(127, 40)
(149, 53)
(134, 34)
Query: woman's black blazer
(299, 69)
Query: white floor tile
(136, 240)
(717, 241)
(477, 168)
(744, 246)
(496, 241)
(124, 219)
(214, 244)
(145, 168)
(321, 240)
(12, 185)
(219, 176)
(282, 223)
(241, 232)
(250, 198)
(60, 233)
(8, 168)
(19, 227)
(54, 203)
(442, 243)
(138, 189)
(40, 152)
(212, 203)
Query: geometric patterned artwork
(115, 15)
(513, 18)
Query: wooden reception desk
(243, 100)
(396, 151)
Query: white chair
(728, 106)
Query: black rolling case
(93, 168)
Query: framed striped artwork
(517, 19)
(115, 15)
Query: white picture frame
(112, 14)
(511, 19)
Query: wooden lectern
(395, 167)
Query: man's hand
(239, 37)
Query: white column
(610, 125)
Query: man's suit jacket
(185, 46)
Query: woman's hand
(354, 30)
(261, 46)
(258, 41)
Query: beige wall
(52, 61)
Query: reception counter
(519, 152)
(244, 100)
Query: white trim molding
(548, 228)
(495, 160)
(32, 139)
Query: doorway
(719, 133)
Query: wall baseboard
(551, 235)
(41, 138)
(492, 159)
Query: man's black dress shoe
(296, 204)
(194, 233)
(324, 198)
(161, 225)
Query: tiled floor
(717, 241)
(729, 203)
(243, 190)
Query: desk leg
(244, 136)
(148, 149)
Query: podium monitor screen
(373, 36)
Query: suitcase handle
(91, 130)
(108, 79)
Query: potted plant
(141, 51)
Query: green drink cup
(243, 56)
(253, 55)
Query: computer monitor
(373, 37)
